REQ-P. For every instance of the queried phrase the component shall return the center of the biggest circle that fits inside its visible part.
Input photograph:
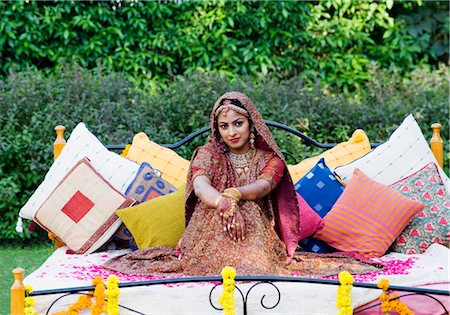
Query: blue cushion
(148, 185)
(320, 189)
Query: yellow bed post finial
(18, 293)
(436, 144)
(59, 143)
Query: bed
(421, 279)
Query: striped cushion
(367, 217)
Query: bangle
(216, 202)
(232, 193)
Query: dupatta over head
(283, 197)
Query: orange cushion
(173, 167)
(367, 217)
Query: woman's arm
(267, 180)
(205, 192)
(256, 190)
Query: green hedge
(31, 104)
(333, 41)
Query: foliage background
(332, 41)
(323, 67)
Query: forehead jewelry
(227, 107)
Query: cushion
(310, 221)
(320, 189)
(431, 225)
(367, 217)
(341, 154)
(405, 152)
(117, 170)
(80, 211)
(172, 166)
(157, 222)
(148, 185)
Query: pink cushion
(432, 224)
(367, 217)
(310, 221)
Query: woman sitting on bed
(241, 207)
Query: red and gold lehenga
(272, 223)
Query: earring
(252, 138)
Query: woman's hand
(224, 206)
(238, 229)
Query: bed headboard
(436, 142)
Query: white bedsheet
(62, 270)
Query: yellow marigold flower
(383, 284)
(228, 273)
(345, 277)
(28, 289)
(29, 302)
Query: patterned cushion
(341, 154)
(405, 152)
(367, 217)
(157, 222)
(81, 209)
(310, 221)
(148, 185)
(118, 171)
(320, 189)
(430, 225)
(172, 166)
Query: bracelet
(232, 193)
(216, 202)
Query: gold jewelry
(216, 202)
(232, 193)
(226, 107)
(241, 162)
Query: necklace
(241, 162)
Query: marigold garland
(85, 301)
(344, 298)
(99, 295)
(226, 300)
(391, 302)
(29, 301)
(112, 295)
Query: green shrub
(152, 41)
(31, 104)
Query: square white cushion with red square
(80, 211)
(116, 169)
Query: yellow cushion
(157, 222)
(343, 153)
(173, 167)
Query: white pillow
(404, 153)
(117, 170)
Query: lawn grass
(12, 256)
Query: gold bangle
(232, 193)
(216, 202)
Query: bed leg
(437, 145)
(18, 293)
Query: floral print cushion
(431, 225)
